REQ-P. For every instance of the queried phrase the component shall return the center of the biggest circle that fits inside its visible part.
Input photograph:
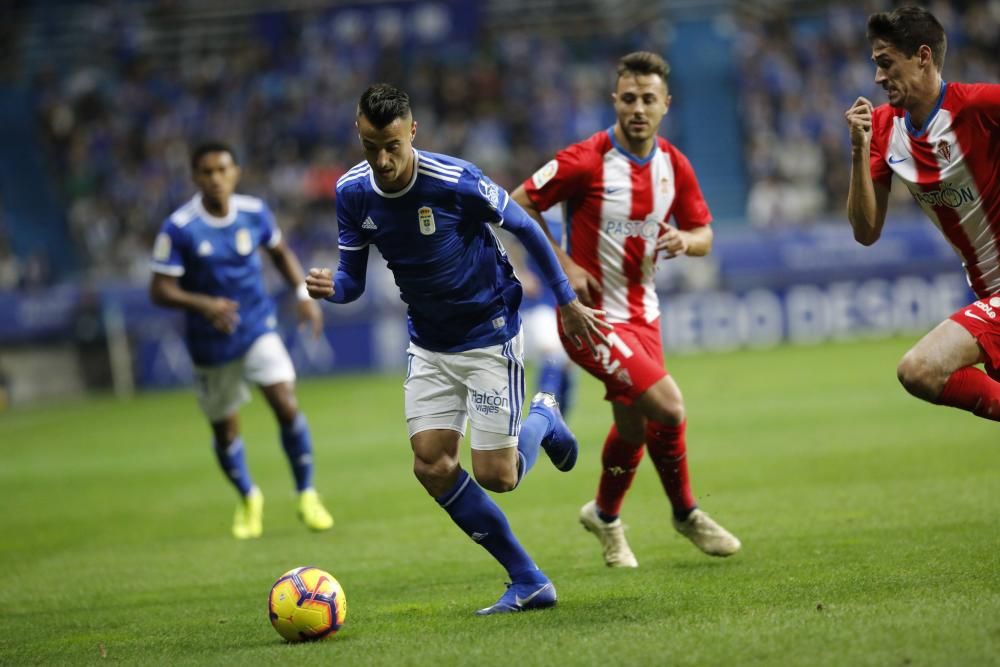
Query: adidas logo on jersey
(204, 249)
(369, 224)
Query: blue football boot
(523, 597)
(560, 444)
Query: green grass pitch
(870, 523)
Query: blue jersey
(435, 235)
(218, 256)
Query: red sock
(619, 461)
(668, 451)
(973, 390)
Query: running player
(941, 140)
(430, 216)
(622, 185)
(205, 261)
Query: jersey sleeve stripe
(439, 170)
(275, 239)
(353, 174)
(353, 247)
(167, 269)
(344, 179)
(248, 203)
(184, 214)
(438, 176)
(431, 162)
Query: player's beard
(636, 134)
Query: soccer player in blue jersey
(430, 216)
(205, 261)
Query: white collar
(400, 193)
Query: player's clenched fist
(319, 282)
(859, 119)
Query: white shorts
(485, 385)
(221, 390)
(541, 334)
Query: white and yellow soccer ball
(307, 604)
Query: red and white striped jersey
(952, 168)
(615, 202)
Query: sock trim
(454, 496)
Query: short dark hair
(644, 62)
(382, 103)
(909, 28)
(211, 146)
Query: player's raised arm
(348, 283)
(867, 201)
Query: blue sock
(566, 391)
(297, 442)
(550, 378)
(533, 429)
(234, 464)
(482, 520)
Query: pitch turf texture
(870, 523)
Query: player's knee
(919, 377)
(286, 409)
(434, 474)
(670, 413)
(498, 481)
(225, 433)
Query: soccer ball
(306, 604)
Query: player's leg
(620, 457)
(221, 391)
(940, 367)
(435, 397)
(666, 428)
(268, 365)
(663, 406)
(436, 466)
(620, 367)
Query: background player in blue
(556, 373)
(430, 215)
(205, 261)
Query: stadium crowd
(119, 132)
(118, 128)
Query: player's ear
(413, 130)
(237, 173)
(666, 103)
(925, 56)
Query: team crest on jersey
(161, 249)
(545, 174)
(944, 150)
(425, 216)
(490, 192)
(244, 244)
